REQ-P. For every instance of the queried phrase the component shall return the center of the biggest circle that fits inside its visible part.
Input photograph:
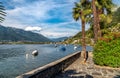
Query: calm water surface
(18, 59)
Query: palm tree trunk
(83, 40)
(98, 23)
(95, 21)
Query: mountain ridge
(60, 39)
(14, 34)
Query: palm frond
(87, 12)
(1, 8)
(2, 12)
(1, 19)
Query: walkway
(89, 70)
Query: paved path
(88, 70)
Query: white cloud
(30, 13)
(59, 29)
(33, 28)
(56, 34)
(35, 14)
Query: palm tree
(103, 10)
(2, 13)
(82, 11)
(95, 22)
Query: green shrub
(107, 53)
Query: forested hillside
(13, 34)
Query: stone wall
(53, 68)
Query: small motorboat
(62, 49)
(65, 44)
(55, 45)
(35, 53)
(75, 47)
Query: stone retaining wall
(53, 68)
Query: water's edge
(53, 68)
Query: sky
(51, 18)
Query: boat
(75, 47)
(35, 53)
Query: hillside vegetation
(8, 34)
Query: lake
(18, 59)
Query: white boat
(75, 47)
(55, 45)
(35, 53)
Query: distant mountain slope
(14, 34)
(59, 39)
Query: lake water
(17, 59)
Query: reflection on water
(18, 59)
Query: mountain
(59, 39)
(14, 34)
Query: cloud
(53, 16)
(29, 14)
(57, 34)
(32, 12)
(38, 11)
(33, 28)
(60, 29)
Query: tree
(82, 11)
(2, 13)
(95, 22)
(103, 13)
